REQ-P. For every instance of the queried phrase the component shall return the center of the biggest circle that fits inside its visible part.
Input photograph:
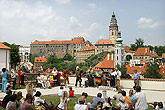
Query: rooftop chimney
(145, 50)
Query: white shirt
(140, 101)
(60, 92)
(62, 104)
(80, 107)
(38, 101)
(118, 74)
(54, 72)
(39, 79)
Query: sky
(24, 21)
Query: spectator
(160, 106)
(140, 99)
(71, 92)
(136, 78)
(11, 105)
(4, 79)
(60, 91)
(30, 88)
(26, 104)
(58, 79)
(122, 104)
(84, 95)
(64, 101)
(38, 101)
(131, 95)
(117, 96)
(39, 80)
(127, 100)
(6, 99)
(81, 105)
(118, 75)
(97, 99)
(99, 106)
(22, 77)
(20, 98)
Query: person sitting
(99, 106)
(159, 106)
(84, 95)
(26, 104)
(39, 80)
(122, 104)
(30, 88)
(71, 92)
(127, 100)
(60, 91)
(97, 99)
(81, 105)
(6, 99)
(64, 100)
(11, 105)
(38, 101)
(20, 98)
(131, 93)
(117, 96)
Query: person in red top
(71, 92)
(58, 78)
(19, 77)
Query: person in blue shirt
(96, 100)
(136, 78)
(4, 79)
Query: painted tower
(113, 29)
(119, 50)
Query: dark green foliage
(159, 50)
(123, 69)
(68, 57)
(95, 59)
(15, 58)
(32, 57)
(139, 43)
(153, 70)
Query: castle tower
(113, 29)
(119, 51)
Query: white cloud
(62, 1)
(92, 5)
(148, 23)
(22, 23)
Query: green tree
(159, 50)
(139, 42)
(68, 57)
(32, 57)
(153, 70)
(15, 58)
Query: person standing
(136, 78)
(118, 75)
(65, 75)
(22, 77)
(78, 76)
(4, 79)
(13, 76)
(140, 99)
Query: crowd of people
(135, 100)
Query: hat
(106, 105)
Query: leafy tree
(133, 47)
(68, 57)
(32, 57)
(15, 58)
(153, 70)
(159, 50)
(123, 68)
(139, 42)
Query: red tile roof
(2, 46)
(108, 62)
(145, 51)
(163, 55)
(127, 49)
(87, 48)
(40, 60)
(75, 40)
(140, 69)
(104, 41)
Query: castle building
(119, 51)
(58, 49)
(84, 53)
(113, 29)
(103, 45)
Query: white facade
(133, 62)
(4, 59)
(119, 55)
(24, 52)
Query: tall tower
(113, 29)
(119, 51)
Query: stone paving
(151, 95)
